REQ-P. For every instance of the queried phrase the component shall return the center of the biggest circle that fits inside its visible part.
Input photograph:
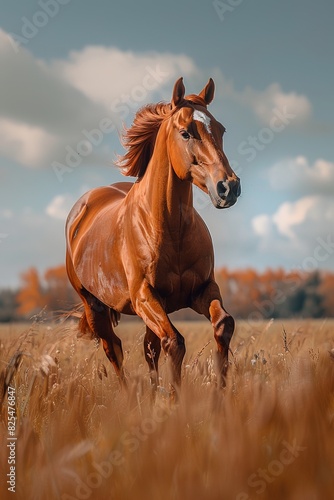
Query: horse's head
(195, 146)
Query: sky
(74, 72)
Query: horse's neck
(168, 199)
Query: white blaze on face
(202, 117)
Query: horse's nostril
(228, 189)
(221, 188)
(236, 189)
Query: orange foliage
(30, 297)
(327, 291)
(55, 293)
(59, 292)
(246, 293)
(276, 293)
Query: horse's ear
(208, 92)
(178, 92)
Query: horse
(141, 248)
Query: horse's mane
(140, 138)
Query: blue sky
(73, 71)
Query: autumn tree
(276, 293)
(247, 293)
(59, 292)
(30, 297)
(327, 291)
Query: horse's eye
(185, 134)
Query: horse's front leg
(152, 348)
(148, 306)
(209, 303)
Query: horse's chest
(178, 283)
(176, 267)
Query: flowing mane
(140, 138)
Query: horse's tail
(114, 317)
(84, 329)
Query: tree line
(247, 294)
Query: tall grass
(268, 435)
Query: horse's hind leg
(152, 348)
(98, 317)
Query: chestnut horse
(141, 248)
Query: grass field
(268, 435)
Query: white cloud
(273, 97)
(26, 144)
(293, 233)
(46, 107)
(40, 113)
(298, 174)
(107, 73)
(263, 103)
(299, 222)
(59, 206)
(294, 227)
(262, 225)
(290, 215)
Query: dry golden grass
(267, 435)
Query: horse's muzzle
(227, 193)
